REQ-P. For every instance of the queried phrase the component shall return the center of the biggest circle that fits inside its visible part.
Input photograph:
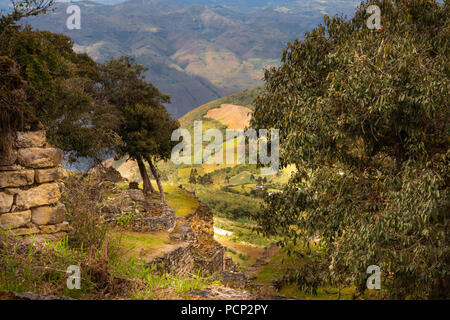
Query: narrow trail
(262, 261)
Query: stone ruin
(198, 250)
(29, 188)
(154, 216)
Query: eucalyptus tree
(364, 117)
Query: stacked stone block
(29, 188)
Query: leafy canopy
(44, 80)
(146, 126)
(364, 117)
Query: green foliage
(231, 250)
(128, 217)
(27, 268)
(227, 204)
(44, 80)
(124, 84)
(193, 176)
(205, 179)
(243, 257)
(364, 117)
(145, 127)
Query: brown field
(233, 116)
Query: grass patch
(242, 232)
(40, 267)
(180, 200)
(279, 265)
(241, 178)
(243, 254)
(142, 246)
(168, 286)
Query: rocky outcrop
(29, 189)
(165, 221)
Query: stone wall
(29, 189)
(234, 279)
(198, 250)
(164, 222)
(155, 216)
(178, 261)
(209, 254)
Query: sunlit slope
(232, 111)
(244, 98)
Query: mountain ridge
(195, 53)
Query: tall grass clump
(83, 196)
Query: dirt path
(262, 261)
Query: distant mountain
(195, 52)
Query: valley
(284, 165)
(194, 51)
(233, 193)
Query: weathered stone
(182, 232)
(14, 220)
(48, 175)
(25, 231)
(7, 159)
(179, 261)
(16, 178)
(6, 201)
(135, 194)
(165, 221)
(11, 191)
(54, 228)
(48, 215)
(40, 158)
(48, 237)
(230, 265)
(14, 167)
(30, 139)
(234, 279)
(47, 193)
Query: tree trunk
(158, 179)
(148, 188)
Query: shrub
(83, 196)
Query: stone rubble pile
(29, 188)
